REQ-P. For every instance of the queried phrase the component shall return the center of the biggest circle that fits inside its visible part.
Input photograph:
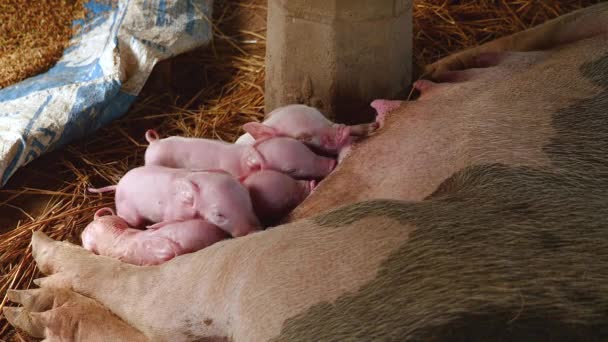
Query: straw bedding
(211, 93)
(33, 35)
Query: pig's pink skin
(105, 220)
(191, 235)
(306, 124)
(335, 138)
(293, 158)
(274, 194)
(195, 153)
(384, 107)
(296, 121)
(329, 139)
(282, 154)
(344, 153)
(109, 235)
(423, 86)
(166, 195)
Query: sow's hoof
(57, 313)
(64, 315)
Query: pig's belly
(499, 115)
(407, 161)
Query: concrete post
(338, 55)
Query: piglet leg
(363, 130)
(159, 225)
(111, 236)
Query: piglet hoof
(363, 130)
(373, 127)
(64, 315)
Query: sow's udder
(471, 120)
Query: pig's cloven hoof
(66, 265)
(70, 266)
(64, 315)
(47, 312)
(56, 311)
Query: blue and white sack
(100, 74)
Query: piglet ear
(184, 191)
(104, 212)
(259, 131)
(217, 218)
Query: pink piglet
(308, 125)
(109, 235)
(281, 154)
(161, 195)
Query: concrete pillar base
(338, 55)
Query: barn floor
(211, 92)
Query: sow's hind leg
(568, 28)
(242, 288)
(462, 263)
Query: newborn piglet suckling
(110, 235)
(308, 125)
(275, 194)
(193, 192)
(162, 195)
(283, 154)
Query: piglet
(274, 194)
(308, 125)
(163, 195)
(281, 154)
(110, 235)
